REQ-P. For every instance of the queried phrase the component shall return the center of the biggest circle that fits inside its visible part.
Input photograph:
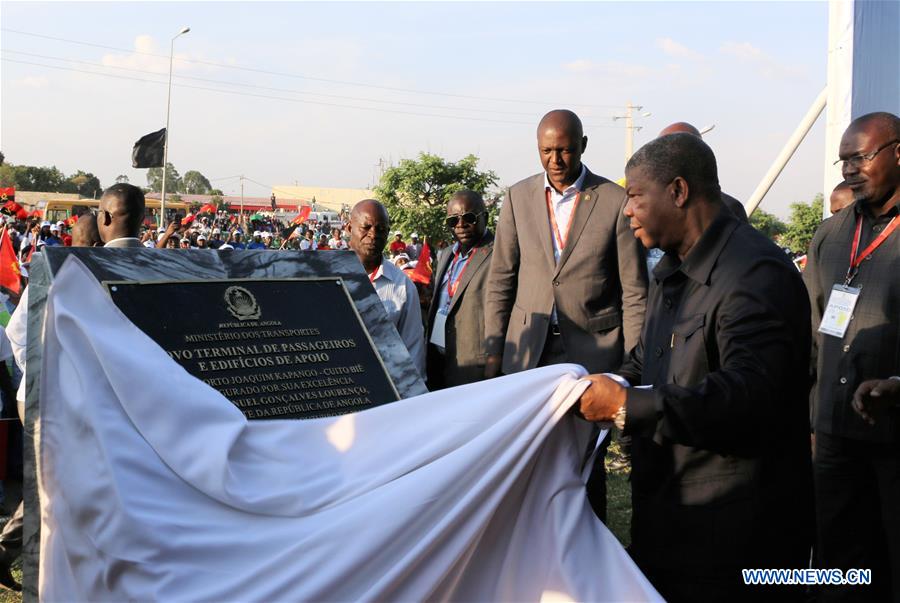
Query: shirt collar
(574, 187)
(388, 271)
(109, 244)
(862, 210)
(702, 258)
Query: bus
(54, 209)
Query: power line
(258, 87)
(281, 98)
(305, 77)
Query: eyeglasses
(468, 218)
(857, 160)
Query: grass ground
(618, 494)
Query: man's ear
(680, 191)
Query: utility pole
(630, 127)
(242, 195)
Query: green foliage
(49, 180)
(195, 183)
(768, 224)
(805, 219)
(173, 179)
(121, 179)
(416, 191)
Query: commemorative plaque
(276, 348)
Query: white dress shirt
(400, 299)
(563, 207)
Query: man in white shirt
(368, 229)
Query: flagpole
(162, 200)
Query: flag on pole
(209, 208)
(302, 216)
(10, 275)
(14, 209)
(422, 272)
(149, 150)
(7, 194)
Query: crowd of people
(744, 453)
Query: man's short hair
(883, 120)
(132, 203)
(680, 154)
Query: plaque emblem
(241, 303)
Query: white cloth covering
(159, 489)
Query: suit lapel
(586, 205)
(477, 260)
(443, 262)
(542, 223)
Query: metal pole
(242, 196)
(162, 200)
(787, 152)
(629, 132)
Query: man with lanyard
(568, 281)
(368, 229)
(854, 289)
(456, 317)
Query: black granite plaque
(276, 348)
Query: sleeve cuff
(642, 412)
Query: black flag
(148, 151)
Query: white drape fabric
(154, 487)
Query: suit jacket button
(659, 351)
(556, 283)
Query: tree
(121, 179)
(416, 192)
(805, 219)
(173, 180)
(768, 224)
(83, 183)
(195, 183)
(2, 158)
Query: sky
(319, 94)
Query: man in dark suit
(721, 476)
(568, 282)
(120, 215)
(456, 352)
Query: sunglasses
(468, 218)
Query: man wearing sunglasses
(568, 282)
(852, 265)
(455, 329)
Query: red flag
(422, 273)
(14, 209)
(209, 208)
(70, 222)
(188, 219)
(10, 276)
(302, 216)
(36, 214)
(7, 194)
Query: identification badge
(836, 317)
(438, 329)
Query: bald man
(736, 207)
(841, 197)
(568, 281)
(85, 233)
(368, 229)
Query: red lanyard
(452, 287)
(560, 241)
(374, 275)
(856, 260)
